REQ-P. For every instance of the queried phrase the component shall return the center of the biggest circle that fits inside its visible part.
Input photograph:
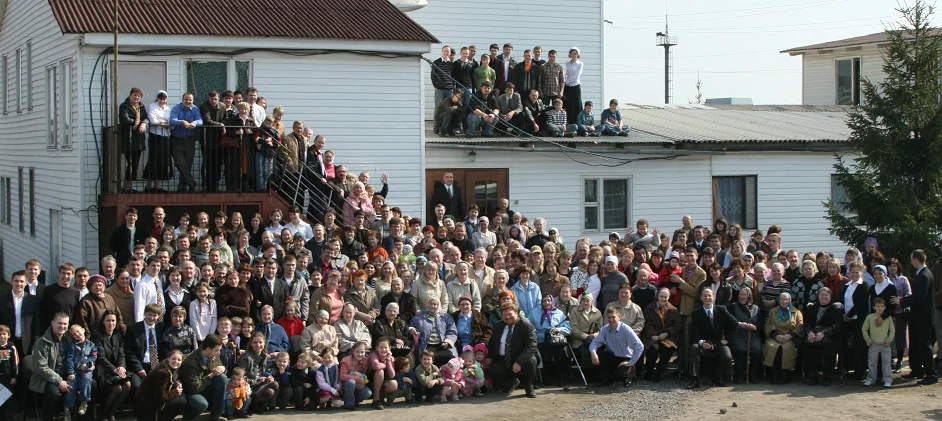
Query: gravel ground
(642, 401)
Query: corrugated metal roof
(679, 124)
(740, 124)
(877, 38)
(329, 19)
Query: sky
(734, 44)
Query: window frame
(20, 197)
(232, 76)
(856, 63)
(717, 213)
(841, 209)
(5, 74)
(600, 204)
(18, 83)
(6, 197)
(64, 104)
(32, 202)
(52, 108)
(29, 75)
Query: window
(735, 198)
(606, 204)
(19, 203)
(17, 73)
(848, 81)
(5, 76)
(64, 102)
(204, 77)
(839, 196)
(29, 75)
(5, 201)
(51, 107)
(32, 202)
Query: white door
(149, 77)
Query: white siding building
(54, 206)
(832, 71)
(766, 164)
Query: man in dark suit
(921, 314)
(711, 328)
(22, 324)
(270, 290)
(142, 344)
(514, 355)
(126, 236)
(448, 194)
(699, 240)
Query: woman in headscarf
(131, 135)
(320, 337)
(436, 332)
(746, 342)
(586, 321)
(662, 325)
(393, 328)
(824, 319)
(783, 329)
(549, 321)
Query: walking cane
(748, 345)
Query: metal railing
(211, 162)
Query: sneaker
(868, 382)
(888, 384)
(83, 407)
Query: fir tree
(894, 187)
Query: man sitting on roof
(612, 125)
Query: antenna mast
(664, 39)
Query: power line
(748, 31)
(785, 7)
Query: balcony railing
(213, 163)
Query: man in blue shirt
(185, 118)
(612, 125)
(623, 346)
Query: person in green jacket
(430, 379)
(484, 73)
(48, 372)
(204, 380)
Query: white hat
(612, 259)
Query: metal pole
(667, 74)
(114, 97)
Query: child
(245, 335)
(303, 379)
(328, 381)
(352, 374)
(202, 221)
(203, 313)
(80, 363)
(453, 380)
(229, 353)
(429, 378)
(238, 395)
(879, 340)
(293, 324)
(381, 366)
(472, 372)
(9, 369)
(236, 331)
(556, 120)
(480, 355)
(580, 278)
(671, 268)
(283, 376)
(585, 121)
(405, 378)
(255, 363)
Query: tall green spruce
(894, 188)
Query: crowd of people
(233, 320)
(486, 95)
(233, 316)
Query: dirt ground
(763, 401)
